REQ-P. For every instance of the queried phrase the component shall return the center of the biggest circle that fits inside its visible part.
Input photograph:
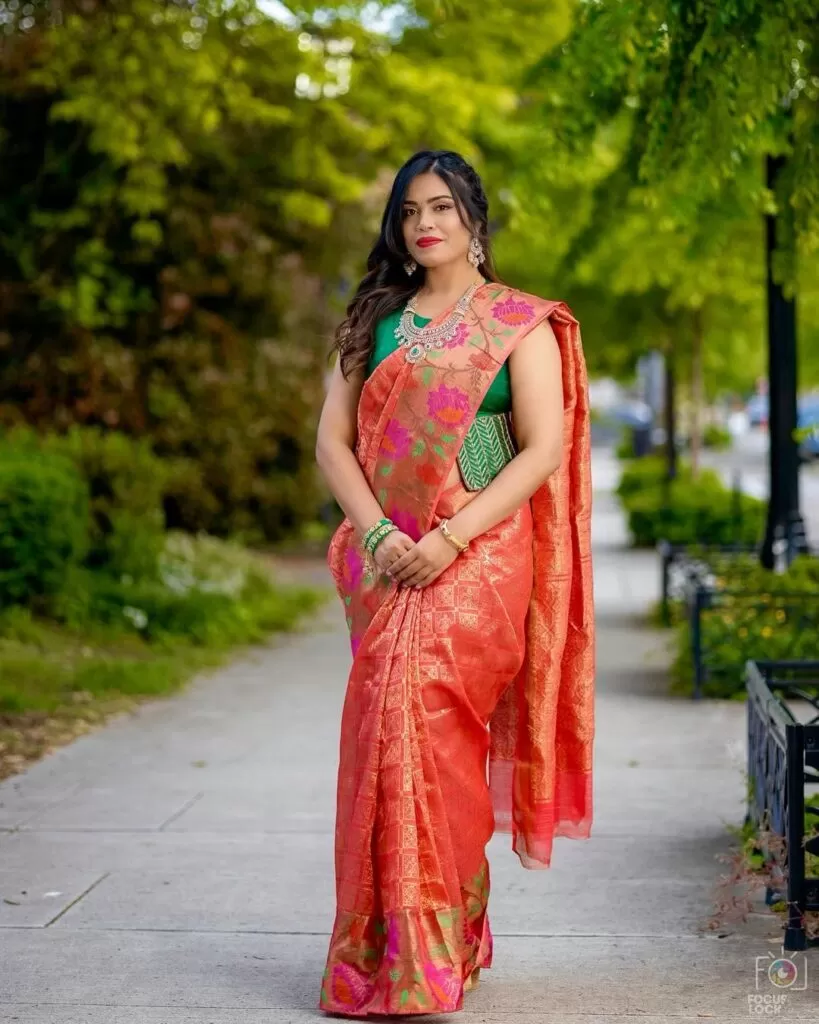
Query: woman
(455, 437)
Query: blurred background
(188, 191)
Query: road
(749, 457)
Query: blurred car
(807, 419)
(757, 410)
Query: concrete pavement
(176, 866)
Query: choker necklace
(420, 340)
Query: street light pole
(785, 528)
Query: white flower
(136, 616)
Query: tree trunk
(696, 390)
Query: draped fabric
(490, 667)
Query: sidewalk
(176, 867)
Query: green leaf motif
(447, 438)
(386, 469)
(382, 496)
(419, 448)
(404, 997)
(426, 376)
(395, 973)
(348, 599)
(439, 450)
(429, 427)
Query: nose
(425, 221)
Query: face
(433, 231)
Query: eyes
(438, 207)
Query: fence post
(795, 935)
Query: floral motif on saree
(493, 663)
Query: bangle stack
(372, 538)
(376, 533)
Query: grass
(58, 680)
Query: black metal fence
(783, 758)
(680, 564)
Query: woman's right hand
(391, 548)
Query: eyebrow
(411, 202)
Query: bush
(715, 436)
(125, 481)
(701, 511)
(688, 511)
(208, 593)
(43, 523)
(755, 614)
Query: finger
(404, 560)
(406, 574)
(420, 574)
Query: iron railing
(783, 758)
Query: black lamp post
(785, 528)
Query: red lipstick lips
(426, 241)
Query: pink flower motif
(443, 984)
(513, 312)
(348, 988)
(449, 406)
(353, 569)
(355, 643)
(406, 523)
(459, 337)
(396, 442)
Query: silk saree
(469, 705)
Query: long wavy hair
(386, 286)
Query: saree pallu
(491, 665)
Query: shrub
(44, 521)
(715, 436)
(208, 593)
(755, 614)
(125, 481)
(688, 510)
(701, 511)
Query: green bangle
(373, 530)
(386, 531)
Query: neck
(449, 281)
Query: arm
(335, 455)
(537, 407)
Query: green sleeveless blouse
(497, 399)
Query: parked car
(807, 418)
(757, 410)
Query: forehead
(426, 186)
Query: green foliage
(43, 523)
(689, 510)
(756, 614)
(113, 638)
(714, 436)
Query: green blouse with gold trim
(497, 399)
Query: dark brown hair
(386, 286)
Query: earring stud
(410, 267)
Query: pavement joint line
(82, 895)
(326, 935)
(185, 807)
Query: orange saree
(489, 667)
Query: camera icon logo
(784, 971)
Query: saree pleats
(450, 681)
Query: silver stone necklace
(420, 340)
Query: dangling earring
(476, 254)
(410, 267)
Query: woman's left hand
(425, 561)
